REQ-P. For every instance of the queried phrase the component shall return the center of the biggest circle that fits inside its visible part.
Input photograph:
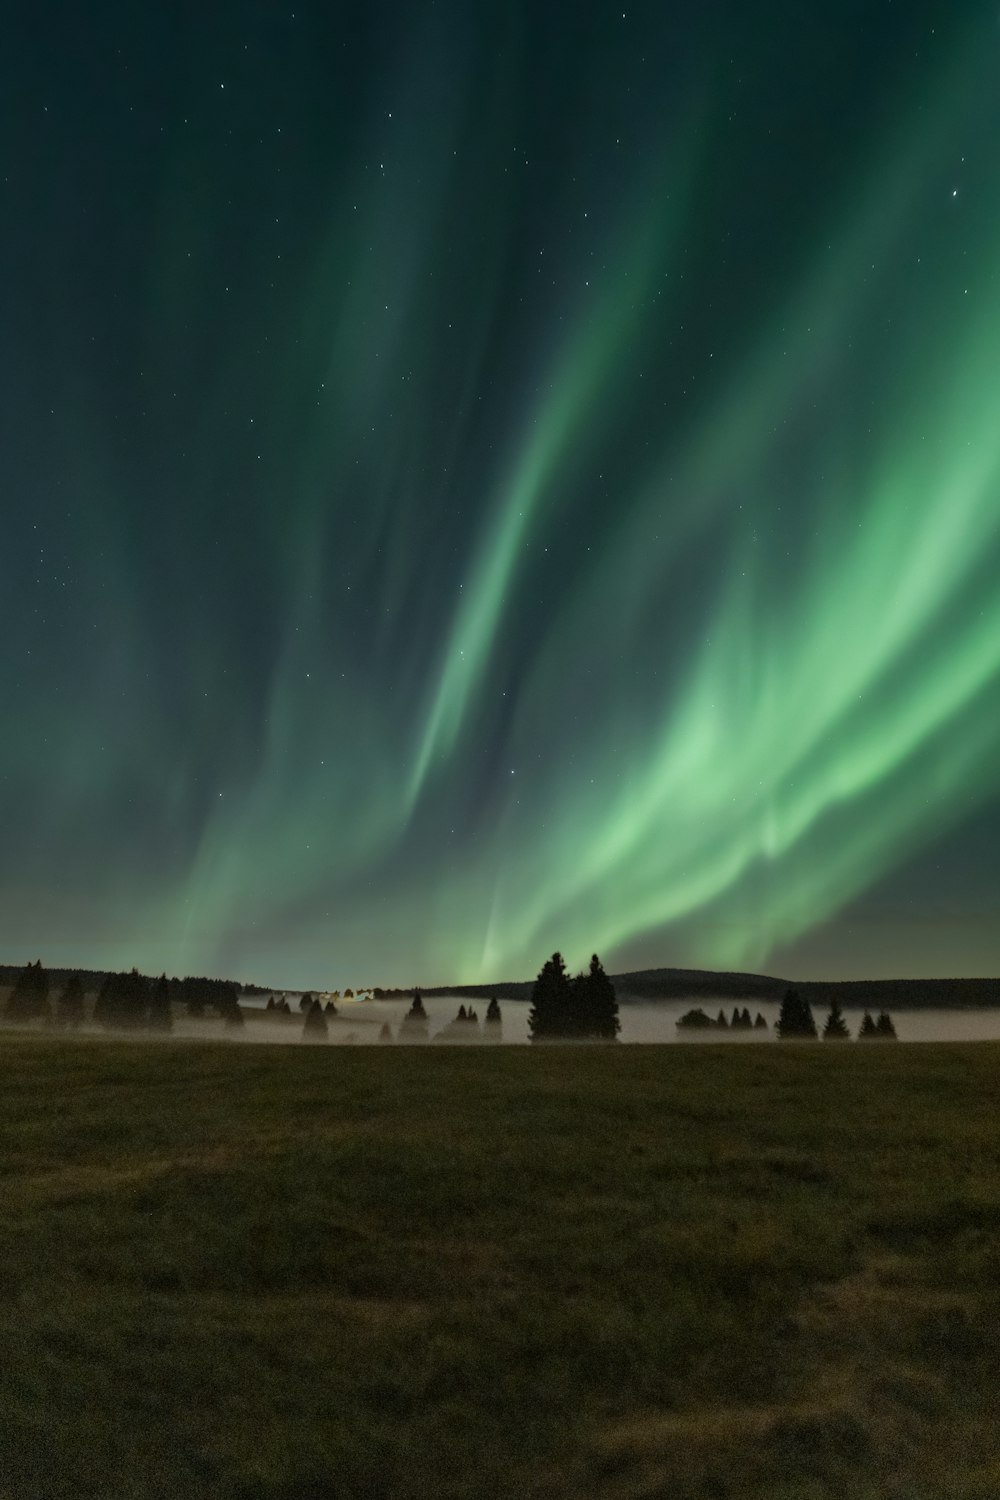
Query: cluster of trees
(465, 1027)
(881, 1030)
(696, 1020)
(583, 1009)
(200, 995)
(30, 999)
(796, 1022)
(126, 1001)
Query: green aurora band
(696, 720)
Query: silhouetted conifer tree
(29, 999)
(305, 1002)
(835, 1029)
(122, 1001)
(314, 1028)
(385, 1035)
(160, 1011)
(414, 1026)
(720, 1021)
(884, 1029)
(330, 1009)
(867, 1029)
(493, 1025)
(70, 1006)
(550, 1017)
(759, 1023)
(796, 1018)
(596, 1010)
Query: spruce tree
(550, 1017)
(160, 1010)
(867, 1030)
(314, 1028)
(796, 1019)
(884, 1029)
(122, 1001)
(493, 1025)
(835, 1029)
(29, 1000)
(596, 1016)
(759, 1023)
(414, 1026)
(70, 1006)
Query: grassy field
(274, 1273)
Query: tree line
(797, 1023)
(125, 1001)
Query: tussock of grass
(275, 1273)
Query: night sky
(483, 478)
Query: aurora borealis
(483, 479)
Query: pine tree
(720, 1021)
(29, 1000)
(122, 1001)
(493, 1025)
(160, 1011)
(867, 1030)
(759, 1023)
(550, 1017)
(884, 1029)
(414, 1026)
(70, 1006)
(596, 1017)
(835, 1029)
(796, 1018)
(314, 1028)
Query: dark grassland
(285, 1273)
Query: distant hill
(695, 984)
(688, 984)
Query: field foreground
(284, 1274)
